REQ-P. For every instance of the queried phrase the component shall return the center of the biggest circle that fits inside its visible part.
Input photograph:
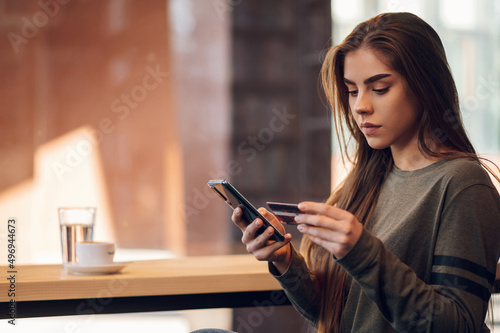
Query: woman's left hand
(333, 228)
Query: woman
(410, 240)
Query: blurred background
(131, 106)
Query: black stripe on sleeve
(465, 265)
(461, 283)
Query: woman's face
(379, 102)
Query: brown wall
(107, 66)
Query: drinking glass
(77, 225)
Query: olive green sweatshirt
(426, 260)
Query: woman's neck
(411, 158)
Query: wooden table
(156, 285)
(143, 286)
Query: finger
(272, 219)
(342, 234)
(261, 240)
(320, 221)
(268, 252)
(338, 250)
(320, 233)
(250, 232)
(317, 240)
(323, 209)
(237, 219)
(323, 243)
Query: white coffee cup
(95, 253)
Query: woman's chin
(376, 144)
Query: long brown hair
(412, 48)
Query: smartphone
(234, 199)
(285, 212)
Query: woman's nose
(363, 104)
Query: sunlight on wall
(67, 172)
(174, 213)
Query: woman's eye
(381, 91)
(352, 92)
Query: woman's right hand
(264, 249)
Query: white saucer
(97, 269)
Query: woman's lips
(369, 128)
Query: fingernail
(298, 218)
(237, 210)
(302, 206)
(301, 228)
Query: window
(470, 33)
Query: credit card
(285, 212)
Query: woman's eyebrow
(369, 80)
